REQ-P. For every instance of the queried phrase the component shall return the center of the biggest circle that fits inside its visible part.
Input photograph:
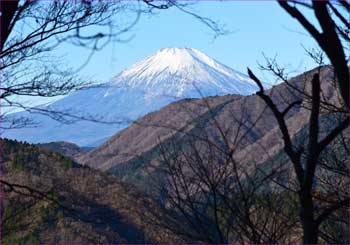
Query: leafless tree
(333, 38)
(216, 199)
(306, 157)
(219, 199)
(213, 197)
(30, 30)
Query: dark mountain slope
(68, 203)
(65, 148)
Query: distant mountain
(64, 148)
(131, 153)
(169, 75)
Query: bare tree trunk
(310, 227)
(305, 173)
(7, 9)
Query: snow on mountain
(183, 72)
(168, 75)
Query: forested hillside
(48, 198)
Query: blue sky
(257, 27)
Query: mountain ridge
(162, 78)
(133, 161)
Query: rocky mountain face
(248, 125)
(51, 199)
(99, 112)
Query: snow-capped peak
(167, 76)
(172, 59)
(180, 71)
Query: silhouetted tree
(219, 200)
(333, 38)
(305, 158)
(31, 29)
(297, 196)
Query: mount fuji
(169, 75)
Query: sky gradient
(256, 27)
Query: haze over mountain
(167, 76)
